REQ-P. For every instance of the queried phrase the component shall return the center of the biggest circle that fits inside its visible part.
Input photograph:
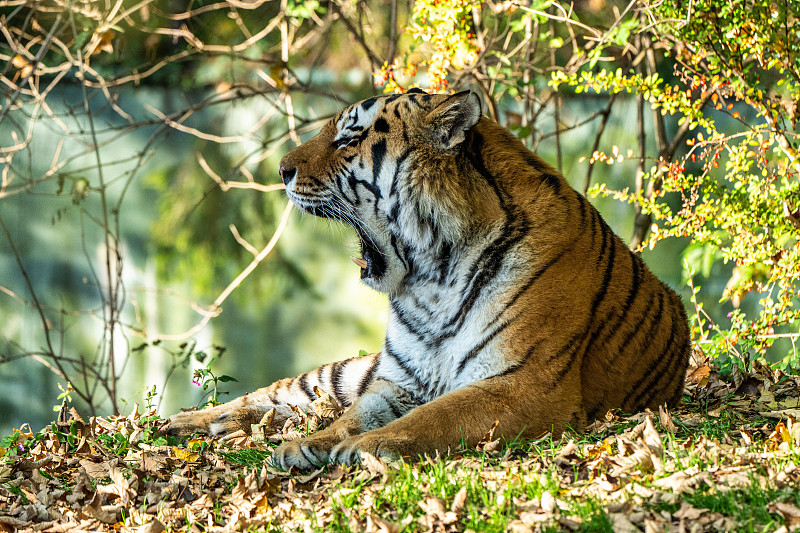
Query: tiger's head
(392, 167)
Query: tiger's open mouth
(372, 261)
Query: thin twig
(605, 113)
(216, 308)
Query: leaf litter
(646, 472)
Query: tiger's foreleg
(382, 403)
(344, 380)
(459, 418)
(525, 406)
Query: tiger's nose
(287, 174)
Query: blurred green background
(125, 151)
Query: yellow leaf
(194, 443)
(19, 62)
(23, 65)
(184, 454)
(784, 433)
(104, 43)
(262, 506)
(276, 73)
(2, 451)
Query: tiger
(511, 301)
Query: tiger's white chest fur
(436, 341)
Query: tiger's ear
(451, 119)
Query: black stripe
(571, 359)
(352, 180)
(444, 261)
(393, 188)
(655, 375)
(475, 157)
(637, 328)
(609, 270)
(396, 249)
(528, 354)
(422, 334)
(470, 355)
(403, 365)
(572, 341)
(366, 104)
(367, 379)
(378, 154)
(536, 275)
(395, 411)
(675, 382)
(582, 207)
(336, 381)
(484, 271)
(594, 216)
(433, 387)
(381, 125)
(316, 182)
(305, 388)
(532, 159)
(674, 357)
(612, 327)
(604, 229)
(419, 306)
(552, 181)
(654, 371)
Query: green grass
(535, 482)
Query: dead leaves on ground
(641, 472)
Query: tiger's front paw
(304, 454)
(185, 423)
(349, 451)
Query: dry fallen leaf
(459, 500)
(688, 512)
(325, 405)
(665, 419)
(699, 374)
(376, 524)
(374, 465)
(789, 512)
(682, 481)
(486, 444)
(547, 502)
